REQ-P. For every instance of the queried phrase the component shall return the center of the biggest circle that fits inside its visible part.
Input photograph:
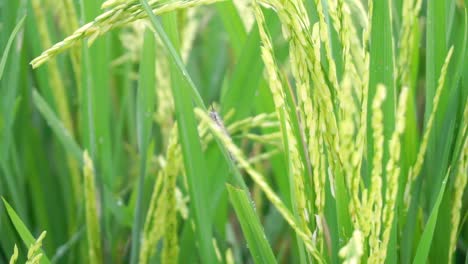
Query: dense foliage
(211, 131)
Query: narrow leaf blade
(251, 227)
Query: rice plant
(243, 131)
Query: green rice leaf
(247, 73)
(59, 129)
(251, 226)
(233, 24)
(381, 71)
(436, 48)
(6, 50)
(145, 108)
(426, 239)
(23, 231)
